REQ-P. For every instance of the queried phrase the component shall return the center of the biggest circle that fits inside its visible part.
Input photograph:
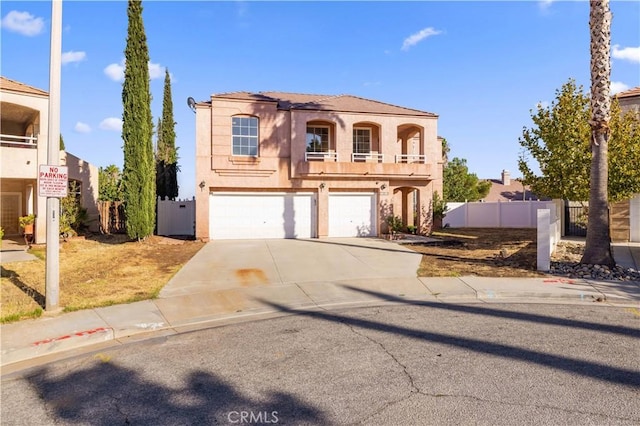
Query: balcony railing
(19, 141)
(367, 158)
(320, 156)
(411, 158)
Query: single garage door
(352, 214)
(261, 215)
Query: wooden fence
(112, 217)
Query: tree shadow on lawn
(106, 394)
(14, 278)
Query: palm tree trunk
(598, 244)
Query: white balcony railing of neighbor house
(19, 141)
(320, 156)
(358, 157)
(411, 158)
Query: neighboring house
(507, 189)
(23, 147)
(629, 100)
(287, 165)
(625, 215)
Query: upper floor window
(361, 140)
(317, 139)
(245, 136)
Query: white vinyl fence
(513, 214)
(176, 217)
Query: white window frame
(356, 143)
(321, 126)
(248, 136)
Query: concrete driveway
(230, 264)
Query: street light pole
(52, 273)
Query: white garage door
(261, 215)
(634, 219)
(352, 215)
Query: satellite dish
(192, 103)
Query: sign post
(53, 182)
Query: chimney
(506, 178)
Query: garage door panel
(258, 215)
(352, 215)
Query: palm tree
(598, 244)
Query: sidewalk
(188, 304)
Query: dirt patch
(95, 271)
(484, 252)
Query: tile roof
(629, 93)
(341, 103)
(512, 192)
(16, 86)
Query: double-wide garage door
(258, 215)
(261, 215)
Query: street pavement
(408, 363)
(237, 281)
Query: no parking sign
(53, 181)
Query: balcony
(367, 158)
(411, 159)
(18, 141)
(364, 165)
(321, 156)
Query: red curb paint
(68, 336)
(561, 280)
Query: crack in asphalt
(414, 389)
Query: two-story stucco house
(288, 165)
(23, 147)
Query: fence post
(544, 240)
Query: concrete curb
(29, 342)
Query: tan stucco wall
(280, 165)
(87, 174)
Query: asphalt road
(407, 364)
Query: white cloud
(617, 87)
(22, 23)
(155, 71)
(545, 4)
(414, 39)
(81, 127)
(626, 53)
(111, 123)
(116, 71)
(71, 56)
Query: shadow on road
(595, 370)
(92, 396)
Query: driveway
(228, 264)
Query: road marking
(68, 336)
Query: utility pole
(52, 273)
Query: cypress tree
(167, 155)
(138, 175)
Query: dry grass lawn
(100, 271)
(483, 252)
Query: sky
(481, 66)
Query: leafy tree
(61, 143)
(597, 248)
(445, 151)
(110, 184)
(559, 141)
(138, 174)
(460, 185)
(72, 215)
(166, 153)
